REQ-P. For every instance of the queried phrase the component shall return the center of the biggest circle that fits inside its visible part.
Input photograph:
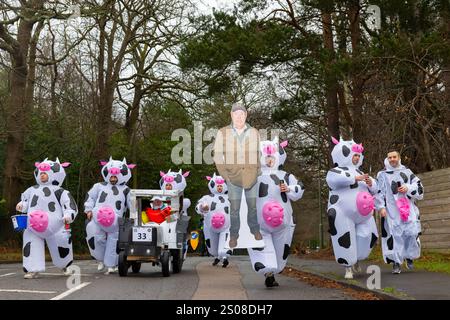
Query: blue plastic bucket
(19, 222)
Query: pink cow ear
(36, 164)
(102, 162)
(66, 164)
(284, 144)
(131, 166)
(208, 178)
(186, 174)
(334, 140)
(162, 174)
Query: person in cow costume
(399, 189)
(176, 181)
(105, 203)
(276, 189)
(50, 210)
(215, 209)
(350, 206)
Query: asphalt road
(199, 280)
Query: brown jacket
(237, 158)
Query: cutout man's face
(239, 117)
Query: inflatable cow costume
(401, 226)
(106, 202)
(176, 181)
(276, 189)
(215, 209)
(49, 208)
(350, 206)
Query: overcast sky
(207, 5)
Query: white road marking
(27, 291)
(7, 274)
(62, 274)
(70, 291)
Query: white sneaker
(356, 268)
(31, 275)
(111, 270)
(348, 273)
(100, 266)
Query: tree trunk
(331, 85)
(18, 109)
(110, 64)
(133, 111)
(357, 81)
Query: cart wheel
(177, 260)
(136, 267)
(123, 264)
(165, 263)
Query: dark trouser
(235, 197)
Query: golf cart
(159, 243)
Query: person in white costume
(105, 203)
(276, 189)
(350, 206)
(50, 210)
(399, 189)
(215, 208)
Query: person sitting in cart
(158, 212)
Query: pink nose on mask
(364, 203)
(270, 149)
(220, 181)
(105, 216)
(358, 148)
(273, 213)
(39, 220)
(218, 220)
(114, 171)
(44, 167)
(168, 179)
(403, 208)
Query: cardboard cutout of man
(237, 158)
